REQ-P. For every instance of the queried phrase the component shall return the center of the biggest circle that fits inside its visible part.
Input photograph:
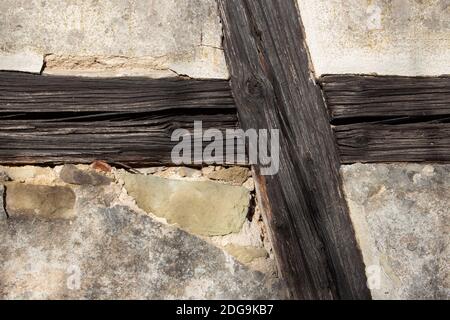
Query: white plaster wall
(114, 37)
(385, 37)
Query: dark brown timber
(58, 119)
(304, 206)
(389, 118)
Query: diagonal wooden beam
(303, 204)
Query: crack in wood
(60, 119)
(389, 118)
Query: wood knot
(361, 141)
(254, 87)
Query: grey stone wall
(401, 215)
(96, 232)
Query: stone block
(71, 174)
(40, 201)
(200, 207)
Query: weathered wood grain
(389, 118)
(21, 92)
(56, 119)
(391, 142)
(362, 96)
(303, 204)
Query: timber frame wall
(57, 119)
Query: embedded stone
(71, 174)
(101, 166)
(245, 254)
(49, 202)
(21, 61)
(200, 207)
(41, 175)
(235, 175)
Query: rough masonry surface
(201, 207)
(40, 201)
(119, 37)
(115, 253)
(73, 175)
(401, 215)
(401, 37)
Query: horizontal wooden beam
(389, 118)
(22, 92)
(59, 119)
(351, 97)
(379, 142)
